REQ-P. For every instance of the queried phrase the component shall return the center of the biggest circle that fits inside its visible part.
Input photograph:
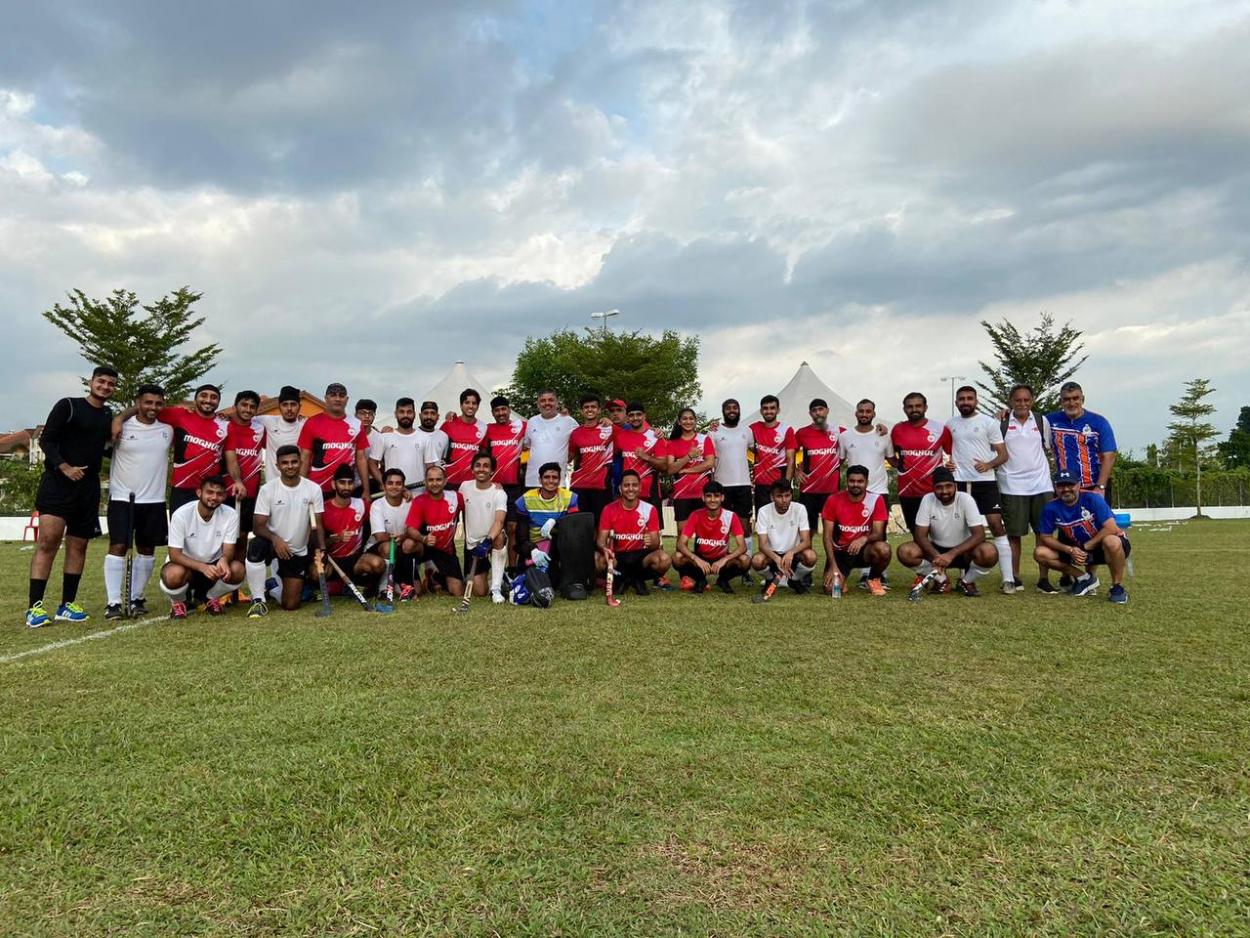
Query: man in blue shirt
(1078, 530)
(1084, 444)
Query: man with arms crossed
(1079, 530)
(485, 513)
(629, 538)
(283, 531)
(202, 539)
(785, 540)
(703, 549)
(950, 532)
(1024, 480)
(854, 531)
(977, 449)
(820, 477)
(139, 467)
(74, 438)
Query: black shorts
(180, 497)
(683, 508)
(513, 492)
(630, 561)
(348, 564)
(76, 503)
(962, 561)
(151, 524)
(246, 507)
(813, 502)
(446, 564)
(294, 567)
(1096, 557)
(911, 507)
(483, 564)
(593, 501)
(985, 494)
(740, 499)
(846, 563)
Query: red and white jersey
(629, 526)
(711, 533)
(505, 441)
(627, 441)
(199, 442)
(333, 442)
(592, 450)
(852, 519)
(689, 481)
(436, 515)
(464, 442)
(771, 445)
(919, 451)
(247, 442)
(347, 521)
(821, 462)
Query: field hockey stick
(351, 587)
(128, 584)
(916, 593)
(385, 600)
(768, 590)
(609, 576)
(463, 605)
(320, 566)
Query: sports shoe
(640, 587)
(1019, 585)
(138, 607)
(687, 584)
(1009, 588)
(178, 610)
(662, 584)
(214, 607)
(725, 586)
(113, 611)
(496, 597)
(1085, 585)
(799, 585)
(71, 612)
(407, 592)
(746, 580)
(257, 610)
(1118, 594)
(1065, 581)
(863, 581)
(941, 586)
(1046, 588)
(36, 615)
(876, 587)
(969, 589)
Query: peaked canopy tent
(798, 394)
(447, 392)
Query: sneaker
(407, 592)
(1019, 585)
(687, 584)
(71, 612)
(941, 586)
(138, 607)
(662, 584)
(496, 597)
(1118, 594)
(725, 586)
(863, 581)
(1065, 582)
(640, 587)
(36, 615)
(1009, 588)
(1046, 588)
(969, 589)
(799, 586)
(215, 607)
(113, 611)
(746, 580)
(178, 610)
(876, 587)
(1085, 585)
(257, 610)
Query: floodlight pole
(952, 379)
(605, 316)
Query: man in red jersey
(820, 476)
(774, 445)
(643, 450)
(703, 550)
(854, 531)
(466, 436)
(629, 538)
(505, 438)
(199, 440)
(345, 529)
(334, 439)
(432, 521)
(591, 449)
(245, 455)
(920, 446)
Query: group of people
(262, 501)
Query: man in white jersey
(547, 438)
(202, 537)
(282, 428)
(388, 520)
(785, 539)
(868, 444)
(977, 449)
(485, 513)
(1024, 480)
(950, 532)
(366, 411)
(403, 448)
(733, 469)
(140, 466)
(282, 530)
(434, 441)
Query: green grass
(681, 765)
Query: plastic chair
(32, 526)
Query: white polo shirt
(1026, 471)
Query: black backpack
(542, 594)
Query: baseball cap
(336, 387)
(616, 402)
(1064, 477)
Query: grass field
(681, 765)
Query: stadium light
(605, 316)
(952, 379)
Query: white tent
(798, 394)
(447, 392)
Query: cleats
(640, 587)
(407, 592)
(1118, 595)
(876, 587)
(36, 615)
(258, 609)
(138, 607)
(969, 589)
(113, 611)
(725, 586)
(800, 585)
(1009, 588)
(687, 584)
(178, 610)
(215, 607)
(661, 584)
(71, 612)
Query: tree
(1043, 359)
(1235, 451)
(143, 349)
(662, 373)
(1190, 430)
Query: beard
(405, 423)
(731, 421)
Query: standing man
(245, 453)
(1024, 480)
(547, 437)
(629, 538)
(774, 445)
(920, 447)
(466, 435)
(331, 440)
(977, 449)
(283, 531)
(820, 476)
(202, 539)
(785, 540)
(591, 449)
(868, 445)
(199, 442)
(643, 451)
(704, 548)
(282, 428)
(74, 438)
(485, 513)
(616, 414)
(505, 439)
(403, 448)
(1079, 530)
(854, 531)
(733, 469)
(139, 467)
(435, 442)
(366, 412)
(950, 532)
(1084, 442)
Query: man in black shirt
(74, 439)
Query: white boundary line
(66, 643)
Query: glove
(541, 559)
(482, 548)
(548, 526)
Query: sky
(369, 192)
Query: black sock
(69, 586)
(37, 589)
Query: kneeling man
(950, 532)
(202, 536)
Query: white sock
(975, 573)
(175, 595)
(114, 574)
(142, 572)
(256, 578)
(802, 570)
(270, 573)
(924, 568)
(498, 560)
(220, 589)
(1004, 558)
